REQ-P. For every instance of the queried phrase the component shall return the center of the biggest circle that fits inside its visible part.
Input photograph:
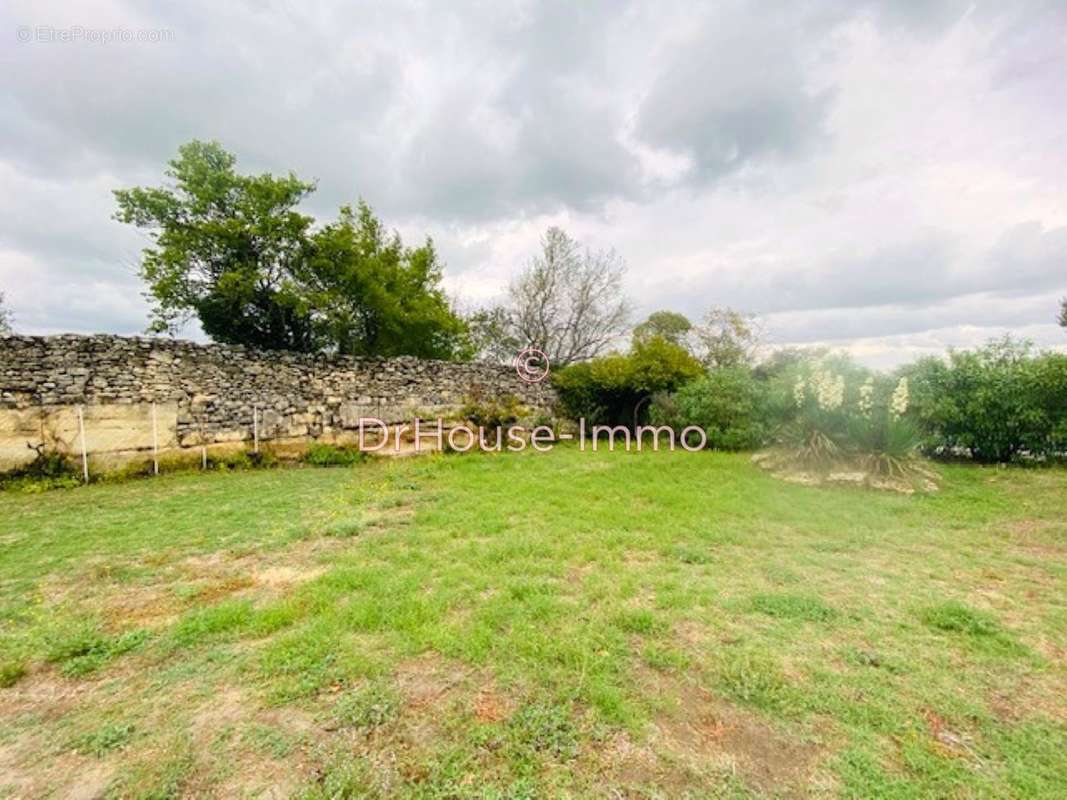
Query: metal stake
(85, 452)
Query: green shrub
(328, 455)
(265, 458)
(609, 390)
(883, 443)
(729, 404)
(490, 413)
(995, 403)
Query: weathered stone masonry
(205, 394)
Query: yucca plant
(884, 445)
(855, 428)
(808, 446)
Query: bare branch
(568, 302)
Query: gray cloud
(851, 169)
(1026, 259)
(734, 93)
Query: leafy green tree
(1063, 314)
(492, 335)
(233, 251)
(727, 338)
(669, 325)
(370, 295)
(225, 249)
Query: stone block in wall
(271, 423)
(111, 428)
(351, 413)
(238, 435)
(275, 425)
(18, 430)
(395, 412)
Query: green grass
(653, 624)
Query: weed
(345, 528)
(11, 672)
(329, 455)
(368, 706)
(201, 624)
(754, 677)
(48, 470)
(665, 658)
(544, 729)
(273, 741)
(793, 606)
(638, 620)
(108, 737)
(978, 626)
(83, 649)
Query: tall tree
(370, 295)
(233, 251)
(669, 325)
(492, 334)
(727, 338)
(5, 317)
(1063, 313)
(568, 302)
(225, 248)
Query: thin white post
(203, 456)
(85, 451)
(155, 442)
(255, 428)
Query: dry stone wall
(137, 393)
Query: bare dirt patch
(27, 773)
(708, 733)
(44, 694)
(224, 709)
(1037, 537)
(427, 680)
(492, 706)
(282, 576)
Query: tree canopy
(669, 325)
(235, 252)
(727, 338)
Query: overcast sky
(887, 177)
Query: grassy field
(582, 624)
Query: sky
(887, 178)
